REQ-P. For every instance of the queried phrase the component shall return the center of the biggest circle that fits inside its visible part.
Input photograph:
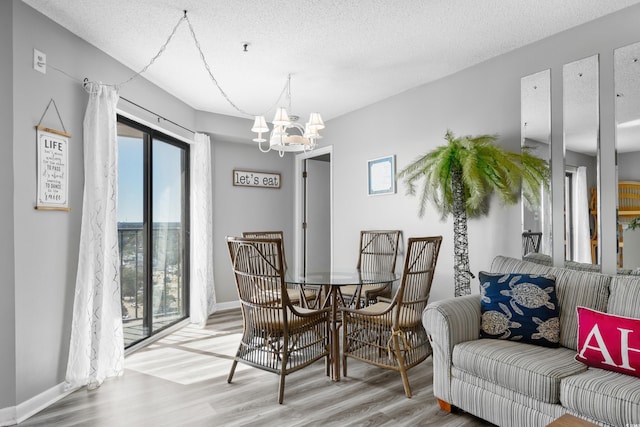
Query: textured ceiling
(342, 54)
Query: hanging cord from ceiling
(213, 79)
(88, 85)
(160, 52)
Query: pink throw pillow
(607, 341)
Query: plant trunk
(462, 274)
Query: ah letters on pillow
(520, 307)
(608, 342)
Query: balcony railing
(166, 276)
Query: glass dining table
(329, 295)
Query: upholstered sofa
(510, 383)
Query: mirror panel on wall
(535, 98)
(627, 110)
(581, 130)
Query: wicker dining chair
(268, 235)
(277, 336)
(378, 253)
(296, 293)
(390, 335)
(531, 242)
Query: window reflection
(535, 96)
(627, 109)
(581, 133)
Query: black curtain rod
(157, 115)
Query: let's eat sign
(243, 178)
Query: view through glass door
(152, 223)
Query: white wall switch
(39, 61)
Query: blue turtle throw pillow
(520, 307)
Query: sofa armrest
(449, 322)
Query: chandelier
(287, 134)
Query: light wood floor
(181, 381)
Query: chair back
(378, 250)
(268, 235)
(531, 242)
(258, 271)
(417, 277)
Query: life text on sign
(52, 172)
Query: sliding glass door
(152, 226)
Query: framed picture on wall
(52, 169)
(381, 176)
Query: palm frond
(486, 169)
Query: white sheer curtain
(582, 233)
(202, 292)
(97, 348)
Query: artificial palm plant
(458, 178)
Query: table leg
(335, 336)
(303, 299)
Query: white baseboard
(8, 416)
(16, 414)
(222, 306)
(41, 401)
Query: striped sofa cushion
(603, 395)
(582, 266)
(625, 297)
(578, 288)
(524, 368)
(538, 258)
(503, 264)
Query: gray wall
(238, 209)
(7, 289)
(628, 169)
(479, 100)
(46, 242)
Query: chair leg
(344, 366)
(405, 381)
(345, 345)
(403, 370)
(327, 343)
(327, 365)
(233, 369)
(281, 391)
